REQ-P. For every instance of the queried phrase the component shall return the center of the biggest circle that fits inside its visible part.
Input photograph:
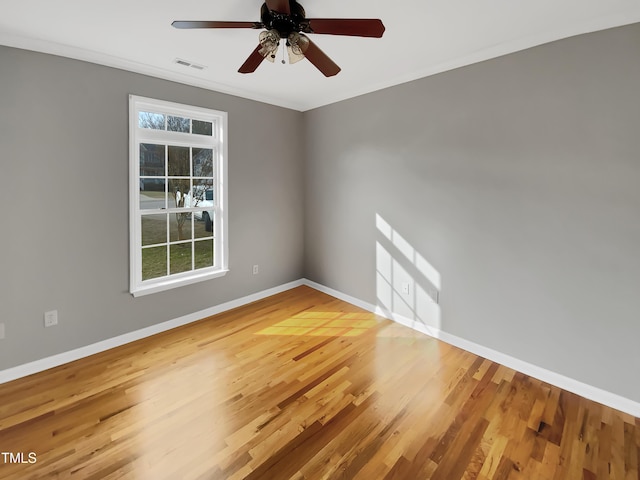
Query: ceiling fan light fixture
(296, 46)
(269, 42)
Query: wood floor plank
(304, 386)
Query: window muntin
(178, 194)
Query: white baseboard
(78, 353)
(604, 397)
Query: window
(177, 194)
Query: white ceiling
(422, 37)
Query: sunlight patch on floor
(322, 324)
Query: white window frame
(217, 141)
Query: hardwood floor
(304, 386)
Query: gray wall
(64, 197)
(518, 180)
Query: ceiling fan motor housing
(283, 23)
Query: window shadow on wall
(407, 285)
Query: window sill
(174, 283)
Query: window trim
(137, 286)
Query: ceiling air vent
(186, 63)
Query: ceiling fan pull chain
(283, 50)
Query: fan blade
(355, 27)
(253, 62)
(320, 60)
(280, 6)
(205, 24)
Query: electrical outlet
(405, 288)
(255, 269)
(1, 331)
(50, 318)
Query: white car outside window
(202, 199)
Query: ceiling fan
(285, 19)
